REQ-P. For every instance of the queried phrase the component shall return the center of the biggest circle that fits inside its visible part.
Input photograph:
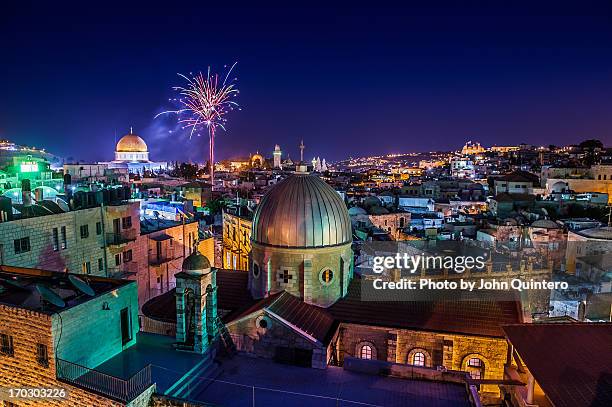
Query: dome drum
(301, 242)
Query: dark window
(126, 330)
(64, 245)
(55, 239)
(42, 356)
(98, 228)
(87, 268)
(127, 256)
(84, 231)
(126, 222)
(22, 245)
(6, 345)
(117, 259)
(100, 265)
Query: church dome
(301, 211)
(131, 143)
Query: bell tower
(196, 304)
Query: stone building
(168, 244)
(301, 304)
(301, 242)
(48, 322)
(236, 241)
(98, 241)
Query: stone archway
(476, 365)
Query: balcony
(124, 270)
(123, 390)
(121, 238)
(157, 258)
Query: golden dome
(131, 143)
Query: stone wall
(89, 335)
(303, 268)
(43, 253)
(28, 329)
(449, 350)
(250, 338)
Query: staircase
(226, 338)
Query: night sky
(350, 81)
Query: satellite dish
(50, 296)
(81, 285)
(10, 282)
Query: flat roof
(18, 288)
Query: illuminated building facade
(236, 242)
(132, 153)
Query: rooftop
(571, 362)
(20, 287)
(235, 381)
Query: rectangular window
(86, 267)
(64, 245)
(98, 228)
(22, 245)
(6, 345)
(42, 355)
(126, 222)
(127, 256)
(100, 265)
(117, 259)
(84, 231)
(55, 239)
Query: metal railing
(122, 237)
(154, 326)
(156, 259)
(124, 390)
(124, 270)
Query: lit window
(475, 368)
(366, 352)
(418, 359)
(326, 276)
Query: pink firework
(205, 102)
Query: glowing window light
(29, 166)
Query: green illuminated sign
(29, 166)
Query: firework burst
(204, 102)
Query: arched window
(476, 368)
(366, 352)
(418, 359)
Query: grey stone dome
(301, 211)
(196, 261)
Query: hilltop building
(132, 153)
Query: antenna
(50, 296)
(82, 286)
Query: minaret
(277, 156)
(302, 146)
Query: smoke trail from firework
(205, 101)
